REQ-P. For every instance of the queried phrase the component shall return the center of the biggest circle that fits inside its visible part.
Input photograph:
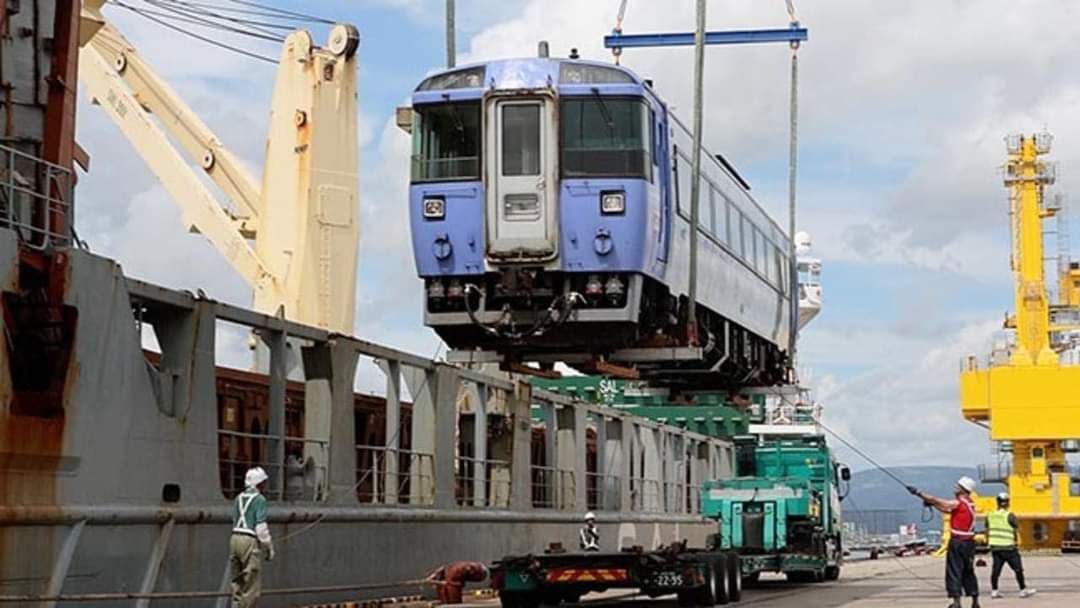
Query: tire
(719, 589)
(832, 573)
(734, 577)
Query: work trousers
(960, 569)
(1002, 557)
(246, 563)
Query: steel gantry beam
(627, 41)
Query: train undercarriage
(620, 323)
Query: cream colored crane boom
(293, 237)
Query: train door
(522, 179)
(661, 152)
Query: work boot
(1027, 592)
(955, 603)
(975, 602)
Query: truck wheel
(818, 576)
(832, 573)
(734, 577)
(717, 587)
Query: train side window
(757, 250)
(736, 231)
(654, 133)
(728, 220)
(712, 199)
(747, 240)
(785, 274)
(683, 170)
(719, 215)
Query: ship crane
(294, 235)
(1028, 396)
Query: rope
(162, 595)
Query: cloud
(905, 408)
(902, 110)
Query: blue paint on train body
(742, 251)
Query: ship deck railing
(304, 478)
(603, 491)
(35, 199)
(553, 488)
(494, 475)
(388, 475)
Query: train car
(549, 210)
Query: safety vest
(590, 539)
(962, 522)
(245, 515)
(1002, 534)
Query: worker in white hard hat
(1001, 527)
(589, 536)
(250, 540)
(960, 577)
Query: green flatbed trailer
(697, 577)
(781, 513)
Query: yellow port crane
(1029, 395)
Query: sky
(903, 107)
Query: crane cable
(172, 26)
(793, 166)
(617, 51)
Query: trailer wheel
(518, 599)
(832, 573)
(734, 577)
(716, 582)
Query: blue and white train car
(549, 206)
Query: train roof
(470, 81)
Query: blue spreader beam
(626, 41)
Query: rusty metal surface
(106, 463)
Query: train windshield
(446, 142)
(603, 136)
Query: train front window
(446, 142)
(605, 137)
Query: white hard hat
(967, 483)
(1003, 497)
(255, 476)
(590, 516)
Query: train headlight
(434, 208)
(612, 203)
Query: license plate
(668, 579)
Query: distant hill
(872, 490)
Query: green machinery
(781, 512)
